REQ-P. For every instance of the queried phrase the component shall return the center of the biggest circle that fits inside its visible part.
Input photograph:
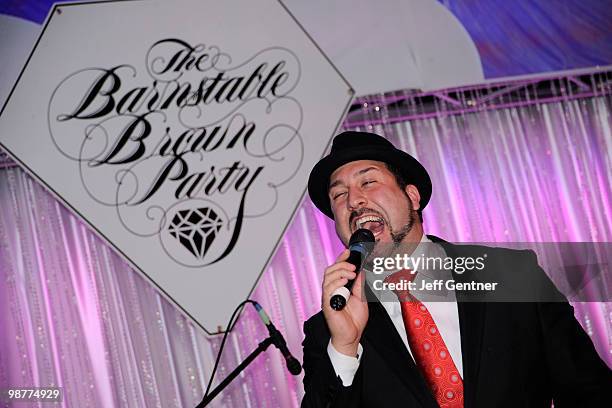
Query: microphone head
(294, 366)
(362, 235)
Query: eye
(338, 194)
(365, 183)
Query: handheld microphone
(359, 251)
(293, 365)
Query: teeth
(368, 218)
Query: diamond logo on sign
(183, 136)
(196, 229)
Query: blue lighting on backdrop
(515, 37)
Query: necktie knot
(401, 279)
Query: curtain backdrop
(73, 314)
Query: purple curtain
(74, 315)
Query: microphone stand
(260, 349)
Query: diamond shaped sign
(182, 132)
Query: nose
(356, 199)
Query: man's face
(365, 194)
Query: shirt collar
(426, 248)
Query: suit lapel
(381, 334)
(471, 327)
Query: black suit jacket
(521, 354)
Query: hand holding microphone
(347, 322)
(358, 251)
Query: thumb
(343, 255)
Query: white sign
(183, 132)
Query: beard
(399, 235)
(389, 250)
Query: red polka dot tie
(428, 348)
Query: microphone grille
(361, 235)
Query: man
(473, 354)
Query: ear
(414, 196)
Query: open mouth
(373, 223)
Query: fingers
(336, 276)
(339, 266)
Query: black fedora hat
(351, 146)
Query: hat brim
(412, 170)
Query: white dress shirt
(444, 314)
